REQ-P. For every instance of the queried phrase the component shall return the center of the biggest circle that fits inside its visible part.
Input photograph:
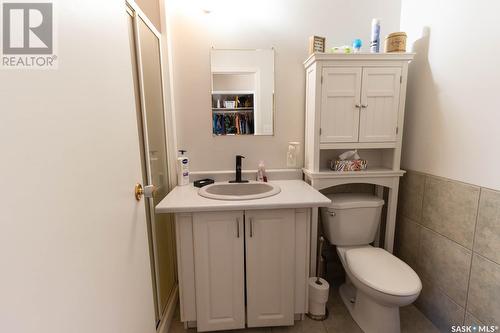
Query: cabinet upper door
(219, 274)
(340, 95)
(270, 249)
(380, 104)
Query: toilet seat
(382, 271)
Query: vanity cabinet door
(219, 270)
(340, 100)
(379, 104)
(270, 263)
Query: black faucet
(238, 171)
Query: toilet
(377, 283)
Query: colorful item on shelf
(356, 45)
(341, 49)
(348, 165)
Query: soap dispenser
(182, 168)
(261, 173)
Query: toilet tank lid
(354, 200)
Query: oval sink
(239, 191)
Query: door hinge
(320, 131)
(400, 79)
(397, 129)
(321, 79)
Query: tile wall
(449, 233)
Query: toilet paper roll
(318, 292)
(318, 296)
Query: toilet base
(370, 316)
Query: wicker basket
(395, 42)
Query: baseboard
(168, 316)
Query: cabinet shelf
(370, 172)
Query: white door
(379, 104)
(340, 100)
(219, 270)
(73, 238)
(270, 257)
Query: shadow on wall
(422, 100)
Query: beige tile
(445, 264)
(341, 321)
(407, 240)
(304, 326)
(484, 291)
(411, 193)
(439, 308)
(487, 242)
(414, 321)
(450, 208)
(470, 320)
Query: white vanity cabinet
(243, 268)
(218, 243)
(270, 263)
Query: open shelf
(376, 158)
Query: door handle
(251, 227)
(364, 106)
(138, 191)
(148, 191)
(358, 106)
(237, 228)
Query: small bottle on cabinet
(182, 168)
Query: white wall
(284, 24)
(452, 125)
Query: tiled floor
(339, 321)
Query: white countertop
(294, 194)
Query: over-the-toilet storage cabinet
(355, 101)
(243, 268)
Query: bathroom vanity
(243, 263)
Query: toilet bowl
(377, 283)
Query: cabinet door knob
(364, 106)
(357, 106)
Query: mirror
(242, 92)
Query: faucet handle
(240, 156)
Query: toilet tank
(351, 218)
